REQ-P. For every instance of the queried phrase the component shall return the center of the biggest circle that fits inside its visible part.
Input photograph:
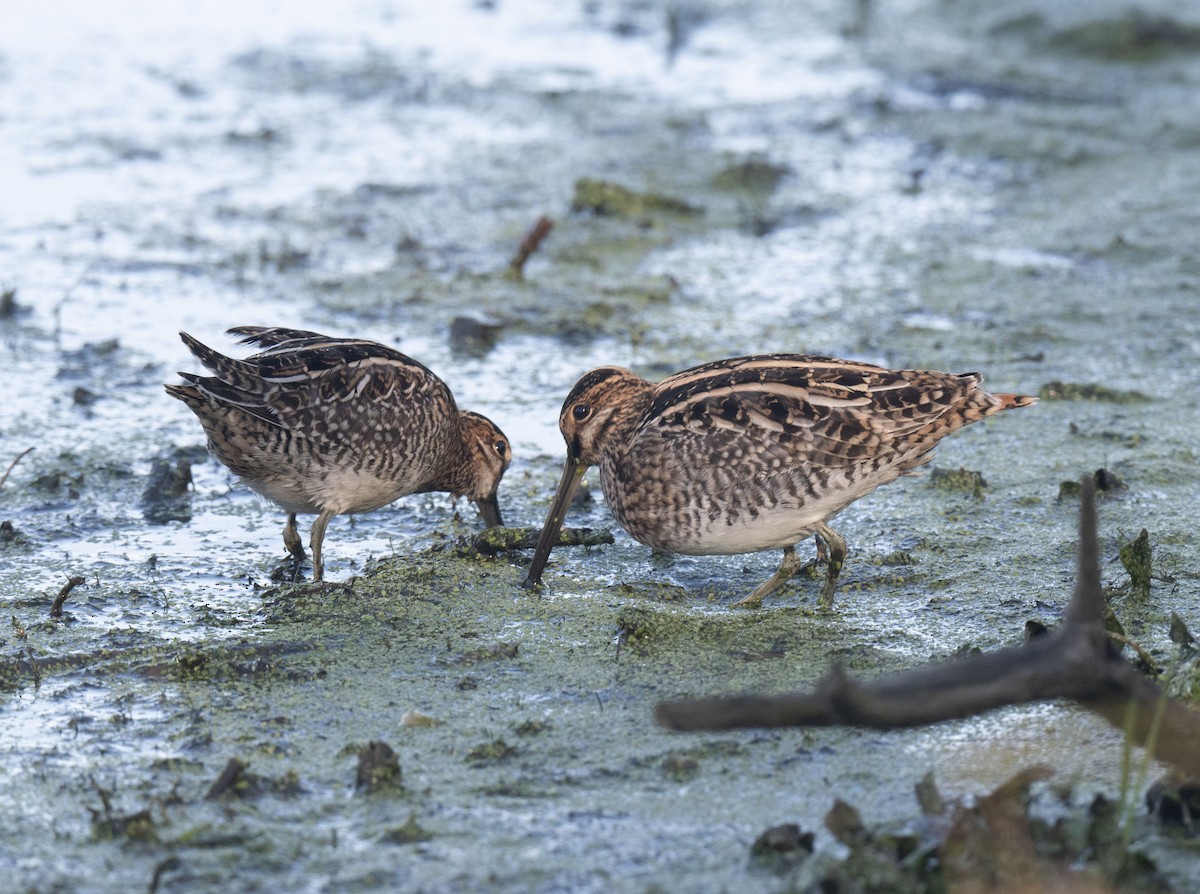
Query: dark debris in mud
(966, 481)
(1174, 799)
(236, 782)
(84, 397)
(1016, 838)
(411, 832)
(138, 826)
(11, 536)
(493, 752)
(1136, 557)
(167, 492)
(472, 336)
(9, 308)
(1105, 482)
(1134, 36)
(532, 727)
(378, 769)
(501, 651)
(680, 768)
(108, 824)
(1183, 680)
(782, 848)
(56, 608)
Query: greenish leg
(790, 565)
(837, 558)
(291, 539)
(315, 541)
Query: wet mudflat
(970, 188)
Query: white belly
(712, 524)
(336, 490)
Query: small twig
(58, 308)
(168, 865)
(1141, 653)
(541, 229)
(234, 770)
(12, 465)
(105, 796)
(71, 584)
(33, 666)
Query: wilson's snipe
(754, 453)
(336, 425)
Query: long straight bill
(572, 475)
(489, 509)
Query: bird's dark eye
(580, 412)
(501, 447)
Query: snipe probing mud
(754, 453)
(335, 425)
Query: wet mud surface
(956, 187)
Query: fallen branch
(1075, 662)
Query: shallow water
(961, 189)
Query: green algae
(756, 174)
(532, 727)
(1089, 391)
(134, 827)
(606, 198)
(494, 752)
(1136, 557)
(499, 539)
(410, 832)
(1135, 36)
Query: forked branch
(1076, 661)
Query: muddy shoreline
(958, 188)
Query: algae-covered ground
(1003, 187)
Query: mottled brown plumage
(754, 453)
(334, 425)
